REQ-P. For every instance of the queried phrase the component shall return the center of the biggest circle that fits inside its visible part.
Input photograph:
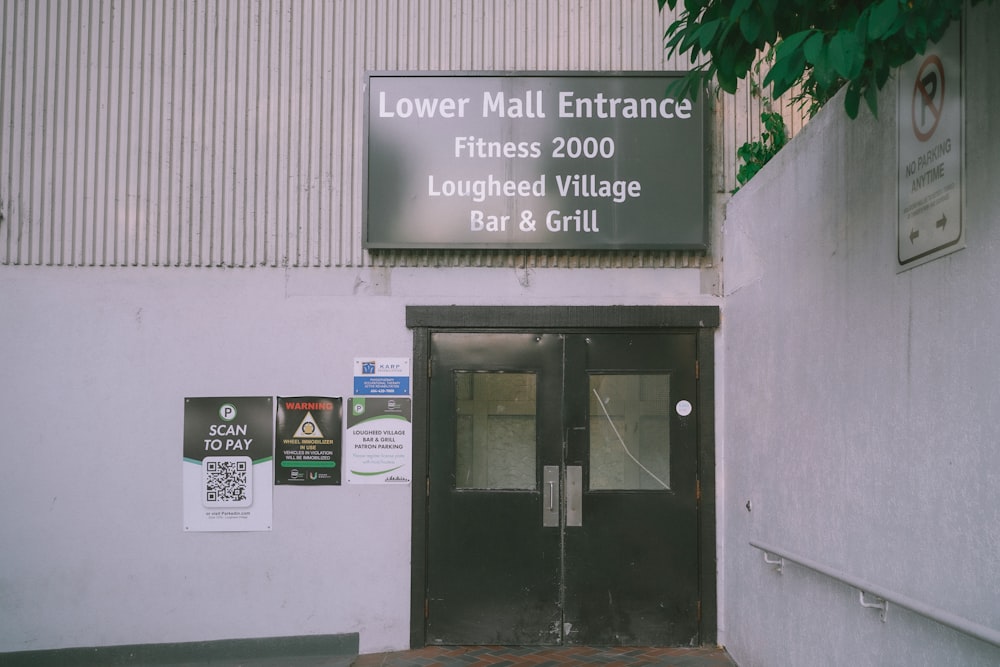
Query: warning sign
(931, 153)
(308, 440)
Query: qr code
(228, 481)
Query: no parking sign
(930, 124)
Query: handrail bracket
(778, 564)
(879, 603)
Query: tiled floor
(511, 656)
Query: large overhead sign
(535, 161)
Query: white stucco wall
(860, 404)
(96, 365)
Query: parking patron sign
(931, 153)
(378, 444)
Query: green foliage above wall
(820, 45)
(755, 154)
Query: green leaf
(793, 42)
(727, 28)
(730, 57)
(882, 76)
(744, 60)
(755, 154)
(789, 62)
(738, 8)
(671, 44)
(775, 124)
(812, 48)
(750, 24)
(916, 31)
(846, 18)
(822, 72)
(691, 83)
(673, 29)
(852, 100)
(861, 30)
(785, 72)
(690, 38)
(727, 80)
(845, 54)
(707, 33)
(881, 17)
(768, 31)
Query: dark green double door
(563, 485)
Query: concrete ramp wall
(861, 404)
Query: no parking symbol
(928, 97)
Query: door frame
(701, 320)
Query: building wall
(147, 253)
(180, 215)
(96, 366)
(860, 402)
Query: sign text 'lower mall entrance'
(575, 161)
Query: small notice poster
(378, 442)
(228, 464)
(382, 376)
(308, 440)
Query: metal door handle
(550, 509)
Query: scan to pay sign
(228, 469)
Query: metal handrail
(963, 625)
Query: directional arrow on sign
(914, 234)
(942, 222)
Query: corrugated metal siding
(228, 133)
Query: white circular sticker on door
(683, 408)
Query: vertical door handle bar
(550, 485)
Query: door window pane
(629, 432)
(495, 443)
